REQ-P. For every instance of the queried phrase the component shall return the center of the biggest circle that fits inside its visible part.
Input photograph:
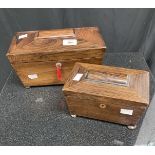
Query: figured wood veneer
(39, 52)
(103, 91)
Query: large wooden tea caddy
(46, 57)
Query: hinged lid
(107, 81)
(55, 41)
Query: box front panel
(107, 109)
(46, 73)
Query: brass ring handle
(102, 106)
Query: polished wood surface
(46, 71)
(39, 51)
(104, 90)
(43, 42)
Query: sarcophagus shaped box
(107, 93)
(46, 57)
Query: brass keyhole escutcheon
(102, 106)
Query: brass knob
(102, 106)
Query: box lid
(108, 81)
(56, 41)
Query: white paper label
(22, 36)
(126, 111)
(33, 76)
(77, 77)
(67, 42)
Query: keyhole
(103, 106)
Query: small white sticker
(33, 76)
(22, 36)
(77, 77)
(67, 42)
(126, 111)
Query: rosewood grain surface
(38, 116)
(103, 91)
(39, 52)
